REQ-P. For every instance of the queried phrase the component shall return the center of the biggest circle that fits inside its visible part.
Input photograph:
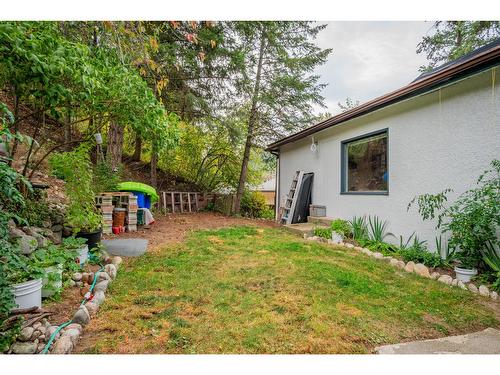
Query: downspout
(276, 185)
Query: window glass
(365, 168)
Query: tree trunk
(138, 147)
(67, 128)
(16, 129)
(115, 145)
(251, 125)
(154, 164)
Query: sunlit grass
(251, 290)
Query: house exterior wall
(441, 139)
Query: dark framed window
(365, 164)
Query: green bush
(76, 169)
(378, 246)
(342, 227)
(105, 179)
(420, 254)
(253, 204)
(359, 227)
(323, 232)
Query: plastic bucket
(93, 238)
(52, 282)
(28, 294)
(465, 275)
(119, 215)
(83, 254)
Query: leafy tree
(453, 39)
(277, 83)
(348, 104)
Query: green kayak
(140, 187)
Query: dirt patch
(173, 228)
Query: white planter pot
(28, 294)
(83, 254)
(52, 282)
(337, 237)
(465, 275)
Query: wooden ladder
(291, 198)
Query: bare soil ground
(173, 228)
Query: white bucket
(50, 287)
(28, 294)
(465, 275)
(83, 254)
(337, 237)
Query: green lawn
(251, 290)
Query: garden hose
(52, 337)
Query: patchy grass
(252, 290)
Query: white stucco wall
(433, 144)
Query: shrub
(378, 229)
(253, 204)
(472, 220)
(420, 254)
(342, 227)
(323, 232)
(359, 228)
(105, 179)
(381, 247)
(76, 169)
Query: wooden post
(189, 201)
(196, 201)
(172, 201)
(182, 203)
(164, 194)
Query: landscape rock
(110, 270)
(366, 251)
(103, 276)
(92, 308)
(85, 278)
(63, 346)
(72, 283)
(40, 347)
(421, 270)
(461, 285)
(73, 334)
(67, 231)
(410, 266)
(101, 285)
(37, 325)
(77, 276)
(494, 295)
(42, 338)
(446, 279)
(74, 326)
(91, 277)
(454, 282)
(435, 275)
(57, 219)
(484, 291)
(472, 288)
(24, 348)
(377, 255)
(349, 245)
(51, 331)
(25, 334)
(46, 224)
(56, 237)
(27, 243)
(36, 335)
(358, 248)
(387, 259)
(57, 228)
(79, 284)
(99, 297)
(82, 316)
(393, 262)
(15, 232)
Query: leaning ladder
(291, 198)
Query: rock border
(417, 268)
(33, 339)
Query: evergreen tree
(453, 39)
(277, 83)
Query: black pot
(93, 238)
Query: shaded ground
(262, 290)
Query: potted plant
(82, 214)
(24, 277)
(77, 249)
(471, 220)
(54, 260)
